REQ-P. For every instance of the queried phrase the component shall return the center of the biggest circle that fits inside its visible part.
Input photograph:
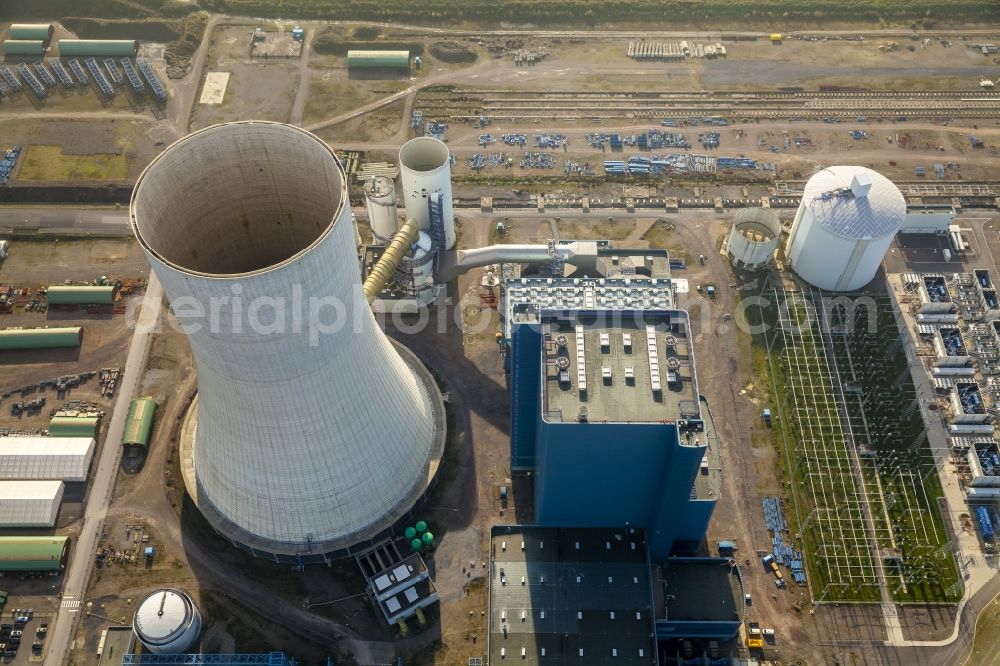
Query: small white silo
(380, 200)
(844, 226)
(167, 622)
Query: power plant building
(312, 433)
(605, 409)
(846, 222)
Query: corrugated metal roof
(65, 458)
(30, 503)
(140, 422)
(24, 553)
(73, 426)
(877, 214)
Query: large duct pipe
(386, 266)
(571, 253)
(311, 431)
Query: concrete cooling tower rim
(263, 546)
(156, 192)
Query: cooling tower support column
(311, 432)
(425, 169)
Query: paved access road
(104, 221)
(82, 551)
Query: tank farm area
(665, 334)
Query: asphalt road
(82, 551)
(65, 220)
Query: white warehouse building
(30, 503)
(846, 222)
(63, 458)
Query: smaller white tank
(753, 238)
(167, 622)
(380, 199)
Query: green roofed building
(126, 48)
(36, 31)
(73, 426)
(40, 338)
(139, 424)
(24, 553)
(72, 295)
(25, 47)
(376, 59)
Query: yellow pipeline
(386, 266)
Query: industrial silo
(753, 238)
(380, 200)
(167, 622)
(844, 226)
(425, 174)
(311, 431)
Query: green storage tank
(410, 533)
(139, 424)
(62, 295)
(26, 553)
(421, 526)
(25, 47)
(73, 426)
(35, 31)
(417, 545)
(69, 48)
(428, 539)
(376, 59)
(40, 338)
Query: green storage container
(410, 533)
(73, 426)
(421, 526)
(40, 338)
(35, 31)
(66, 295)
(428, 539)
(417, 545)
(72, 48)
(139, 424)
(377, 59)
(23, 47)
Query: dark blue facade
(596, 474)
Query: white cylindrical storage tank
(311, 431)
(167, 622)
(380, 200)
(844, 226)
(425, 168)
(753, 238)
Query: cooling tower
(311, 431)
(425, 170)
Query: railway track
(469, 104)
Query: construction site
(316, 337)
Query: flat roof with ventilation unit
(587, 592)
(628, 366)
